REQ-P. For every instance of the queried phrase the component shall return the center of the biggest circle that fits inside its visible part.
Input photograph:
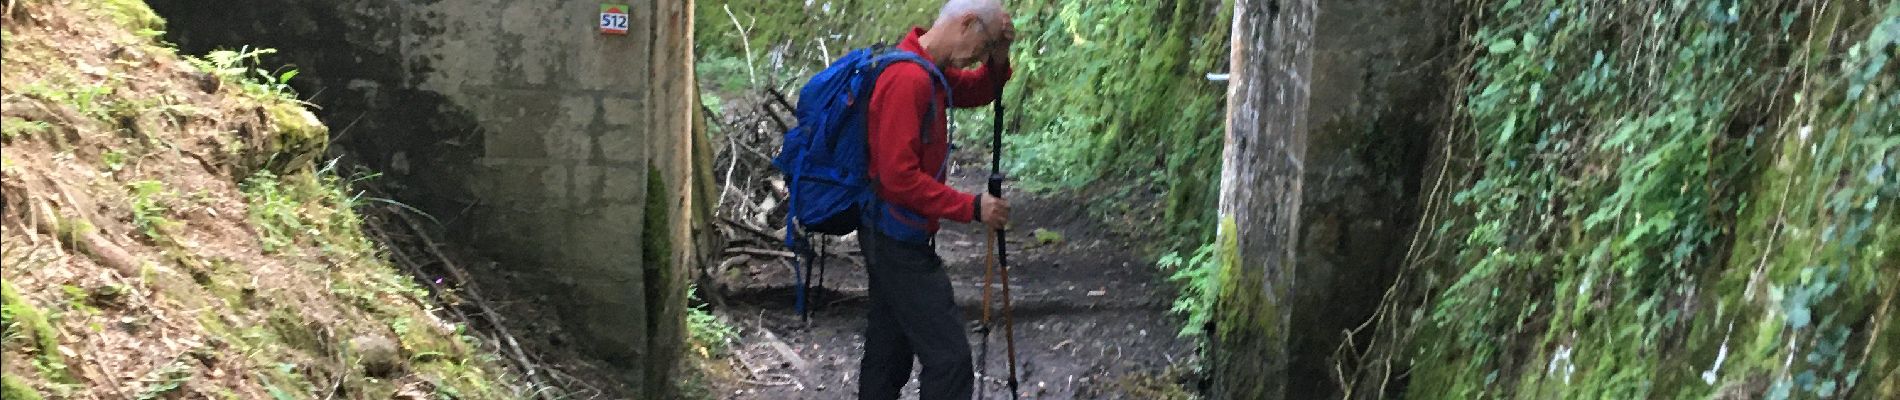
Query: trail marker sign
(613, 19)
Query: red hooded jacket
(903, 165)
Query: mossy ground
(243, 268)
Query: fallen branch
(505, 339)
(780, 98)
(461, 276)
(784, 350)
(760, 252)
(766, 108)
(44, 217)
(729, 222)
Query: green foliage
(13, 387)
(1047, 237)
(1115, 90)
(166, 379)
(724, 74)
(21, 320)
(315, 207)
(708, 334)
(1713, 181)
(148, 211)
(273, 210)
(14, 127)
(1197, 278)
(91, 100)
(1103, 89)
(133, 15)
(244, 67)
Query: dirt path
(1091, 314)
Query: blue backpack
(825, 157)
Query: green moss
(134, 15)
(28, 322)
(1604, 243)
(297, 140)
(290, 328)
(1248, 341)
(666, 317)
(14, 388)
(14, 127)
(657, 240)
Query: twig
(749, 369)
(733, 153)
(342, 365)
(751, 76)
(779, 97)
(728, 221)
(784, 350)
(521, 359)
(766, 108)
(87, 241)
(572, 380)
(760, 252)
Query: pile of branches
(752, 193)
(751, 211)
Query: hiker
(912, 312)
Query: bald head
(988, 10)
(968, 32)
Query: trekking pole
(997, 238)
(983, 348)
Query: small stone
(380, 356)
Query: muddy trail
(1090, 313)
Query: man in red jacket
(912, 312)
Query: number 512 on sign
(613, 19)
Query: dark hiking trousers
(913, 315)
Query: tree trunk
(1260, 195)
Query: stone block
(567, 142)
(612, 318)
(624, 186)
(621, 111)
(506, 184)
(579, 111)
(535, 32)
(513, 143)
(607, 237)
(587, 183)
(628, 145)
(554, 183)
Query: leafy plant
(1198, 279)
(244, 66)
(1706, 178)
(165, 379)
(13, 127)
(709, 335)
(273, 210)
(148, 208)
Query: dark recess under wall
(417, 139)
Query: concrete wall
(520, 126)
(1377, 85)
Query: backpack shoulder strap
(885, 56)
